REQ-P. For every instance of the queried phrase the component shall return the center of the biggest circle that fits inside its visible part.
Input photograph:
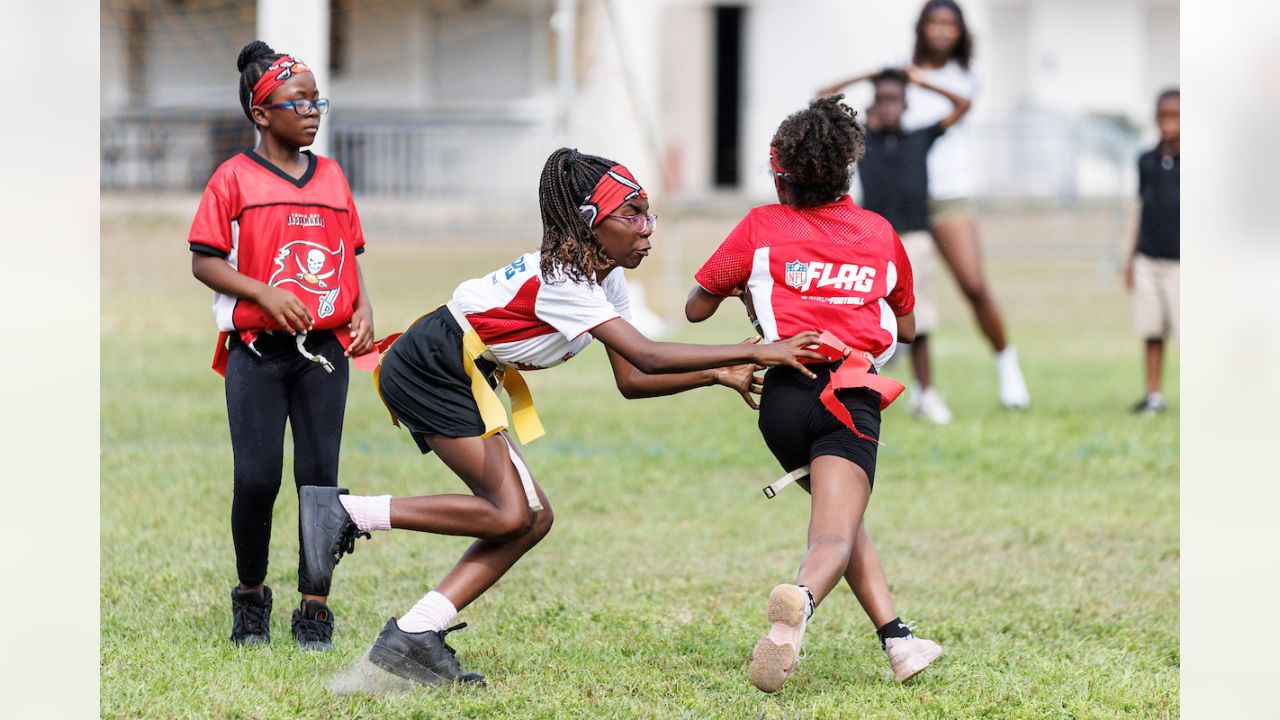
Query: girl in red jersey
(276, 238)
(816, 260)
(438, 381)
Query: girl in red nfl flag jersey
(276, 238)
(817, 260)
(438, 380)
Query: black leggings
(261, 393)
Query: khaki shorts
(942, 209)
(1155, 296)
(922, 254)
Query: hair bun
(251, 52)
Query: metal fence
(396, 158)
(1050, 158)
(413, 157)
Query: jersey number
(515, 267)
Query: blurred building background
(454, 103)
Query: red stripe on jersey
(514, 321)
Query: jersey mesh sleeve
(730, 265)
(211, 229)
(618, 293)
(902, 296)
(573, 308)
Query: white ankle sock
(433, 612)
(368, 512)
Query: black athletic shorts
(423, 382)
(798, 428)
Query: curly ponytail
(818, 146)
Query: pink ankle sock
(368, 512)
(433, 612)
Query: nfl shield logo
(796, 273)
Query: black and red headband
(775, 166)
(273, 77)
(614, 189)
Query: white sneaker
(778, 653)
(1013, 388)
(909, 655)
(928, 404)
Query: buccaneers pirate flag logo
(313, 268)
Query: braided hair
(569, 246)
(818, 147)
(253, 61)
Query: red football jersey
(300, 235)
(835, 267)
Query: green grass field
(1040, 548)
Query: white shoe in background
(1013, 388)
(928, 404)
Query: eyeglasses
(304, 106)
(640, 223)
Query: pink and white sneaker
(777, 654)
(909, 655)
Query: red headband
(614, 189)
(274, 76)
(773, 163)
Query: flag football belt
(854, 372)
(524, 416)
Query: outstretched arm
(661, 358)
(960, 104)
(634, 384)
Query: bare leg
(1155, 364)
(497, 509)
(498, 514)
(488, 560)
(920, 361)
(840, 492)
(867, 581)
(957, 238)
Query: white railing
(495, 158)
(1047, 158)
(462, 158)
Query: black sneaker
(325, 533)
(422, 657)
(250, 616)
(313, 625)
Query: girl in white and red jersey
(276, 238)
(438, 381)
(817, 260)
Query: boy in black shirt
(895, 184)
(1152, 272)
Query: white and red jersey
(531, 323)
(835, 267)
(300, 235)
